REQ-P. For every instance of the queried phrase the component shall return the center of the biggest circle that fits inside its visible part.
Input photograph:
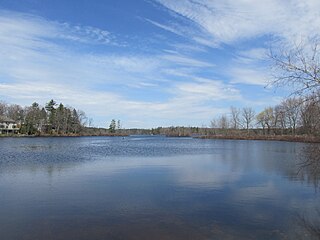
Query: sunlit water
(154, 188)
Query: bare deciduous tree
(248, 115)
(298, 67)
(310, 117)
(280, 118)
(15, 112)
(213, 123)
(235, 117)
(223, 122)
(292, 110)
(3, 108)
(266, 119)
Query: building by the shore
(8, 126)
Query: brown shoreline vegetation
(286, 138)
(195, 132)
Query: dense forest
(53, 118)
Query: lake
(152, 187)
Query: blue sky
(147, 62)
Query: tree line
(53, 118)
(295, 115)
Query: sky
(148, 63)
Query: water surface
(155, 188)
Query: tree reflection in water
(309, 170)
(309, 166)
(312, 227)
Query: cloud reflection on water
(243, 189)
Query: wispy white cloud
(186, 61)
(252, 56)
(249, 76)
(166, 27)
(20, 27)
(85, 34)
(250, 67)
(208, 91)
(230, 21)
(189, 31)
(182, 47)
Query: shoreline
(284, 138)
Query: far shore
(286, 138)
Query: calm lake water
(156, 188)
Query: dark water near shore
(156, 188)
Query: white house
(8, 126)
